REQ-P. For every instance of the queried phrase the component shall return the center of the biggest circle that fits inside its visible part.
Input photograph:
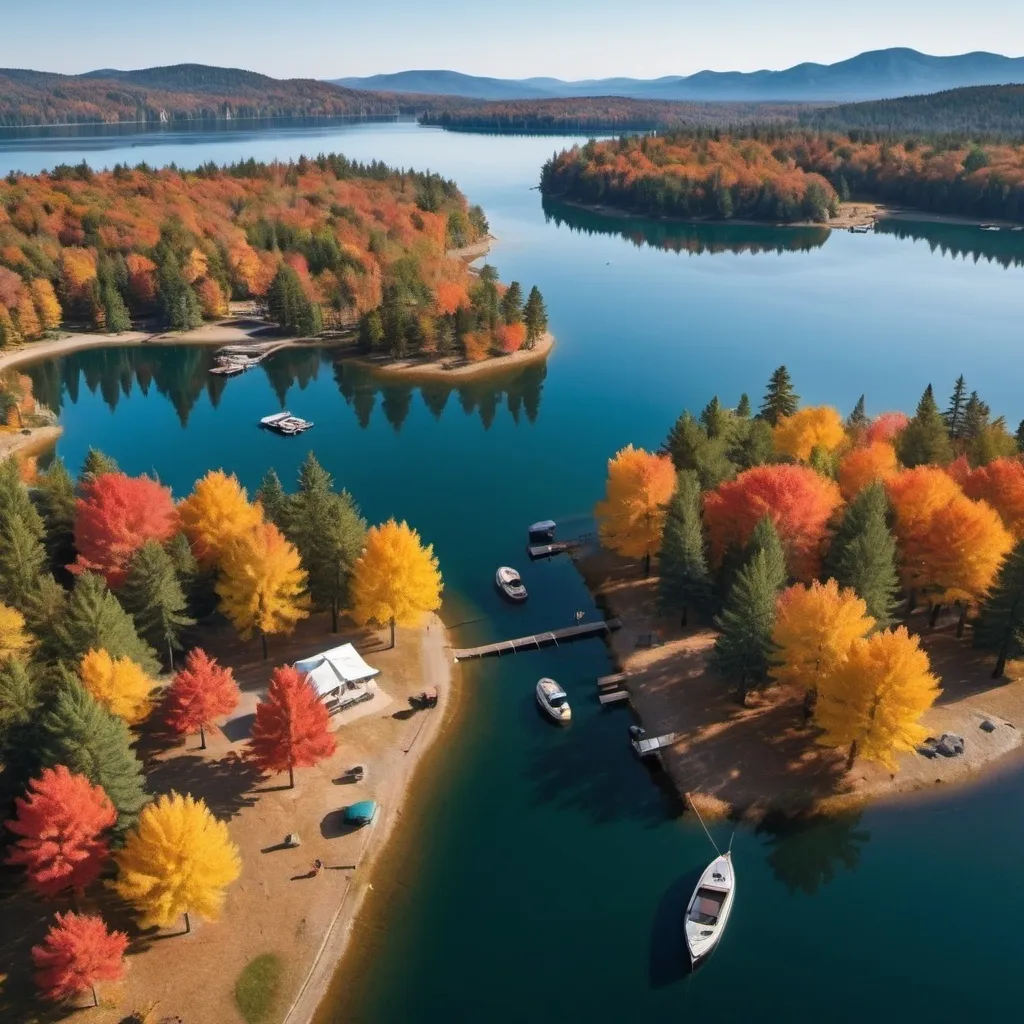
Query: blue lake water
(545, 875)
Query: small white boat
(510, 583)
(708, 912)
(552, 698)
(285, 423)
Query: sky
(561, 38)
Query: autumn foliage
(1001, 485)
(885, 427)
(15, 641)
(860, 466)
(215, 514)
(119, 684)
(799, 501)
(115, 516)
(631, 517)
(201, 692)
(77, 953)
(179, 858)
(61, 824)
(817, 426)
(291, 726)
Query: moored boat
(553, 700)
(543, 532)
(361, 813)
(510, 583)
(709, 907)
(285, 423)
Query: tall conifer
(153, 596)
(684, 578)
(954, 415)
(924, 440)
(780, 399)
(1000, 624)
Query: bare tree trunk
(852, 756)
(686, 615)
(263, 640)
(202, 738)
(334, 615)
(934, 616)
(188, 924)
(392, 631)
(95, 998)
(961, 622)
(291, 776)
(647, 565)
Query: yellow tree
(47, 306)
(14, 641)
(119, 684)
(215, 514)
(178, 859)
(817, 426)
(262, 583)
(631, 518)
(814, 629)
(861, 466)
(874, 700)
(396, 579)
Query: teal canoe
(361, 813)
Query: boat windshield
(557, 700)
(707, 905)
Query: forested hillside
(180, 92)
(322, 243)
(765, 174)
(989, 111)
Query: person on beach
(318, 865)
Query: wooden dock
(538, 640)
(536, 551)
(612, 689)
(649, 747)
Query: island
(815, 610)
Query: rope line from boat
(693, 807)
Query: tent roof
(331, 669)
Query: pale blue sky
(563, 38)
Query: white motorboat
(510, 583)
(708, 912)
(285, 423)
(552, 698)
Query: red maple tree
(798, 500)
(1001, 484)
(78, 952)
(115, 516)
(200, 693)
(290, 730)
(61, 823)
(885, 427)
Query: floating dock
(538, 640)
(612, 689)
(649, 747)
(536, 551)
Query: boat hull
(717, 885)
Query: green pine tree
(55, 499)
(684, 580)
(79, 733)
(371, 332)
(116, 312)
(329, 534)
(1000, 623)
(15, 502)
(19, 701)
(512, 304)
(44, 610)
(536, 317)
(752, 444)
(924, 440)
(862, 554)
(780, 399)
(744, 646)
(743, 409)
(96, 464)
(716, 419)
(273, 499)
(22, 561)
(1019, 436)
(765, 538)
(858, 417)
(154, 598)
(954, 415)
(976, 414)
(822, 461)
(178, 303)
(94, 619)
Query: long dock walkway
(538, 640)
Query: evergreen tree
(19, 702)
(780, 399)
(44, 610)
(1000, 623)
(512, 304)
(22, 560)
(689, 447)
(371, 332)
(1020, 435)
(743, 648)
(289, 306)
(743, 409)
(822, 461)
(114, 310)
(924, 439)
(273, 499)
(954, 415)
(445, 337)
(765, 538)
(753, 445)
(715, 418)
(153, 596)
(15, 503)
(96, 464)
(55, 500)
(95, 620)
(684, 577)
(976, 414)
(328, 533)
(178, 302)
(862, 554)
(79, 733)
(857, 419)
(535, 317)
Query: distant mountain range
(877, 74)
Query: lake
(545, 873)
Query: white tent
(338, 669)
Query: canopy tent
(339, 667)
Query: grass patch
(257, 987)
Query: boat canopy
(362, 812)
(335, 668)
(544, 526)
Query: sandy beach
(747, 761)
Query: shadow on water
(807, 854)
(669, 959)
(693, 238)
(182, 376)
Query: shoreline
(746, 762)
(336, 945)
(35, 442)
